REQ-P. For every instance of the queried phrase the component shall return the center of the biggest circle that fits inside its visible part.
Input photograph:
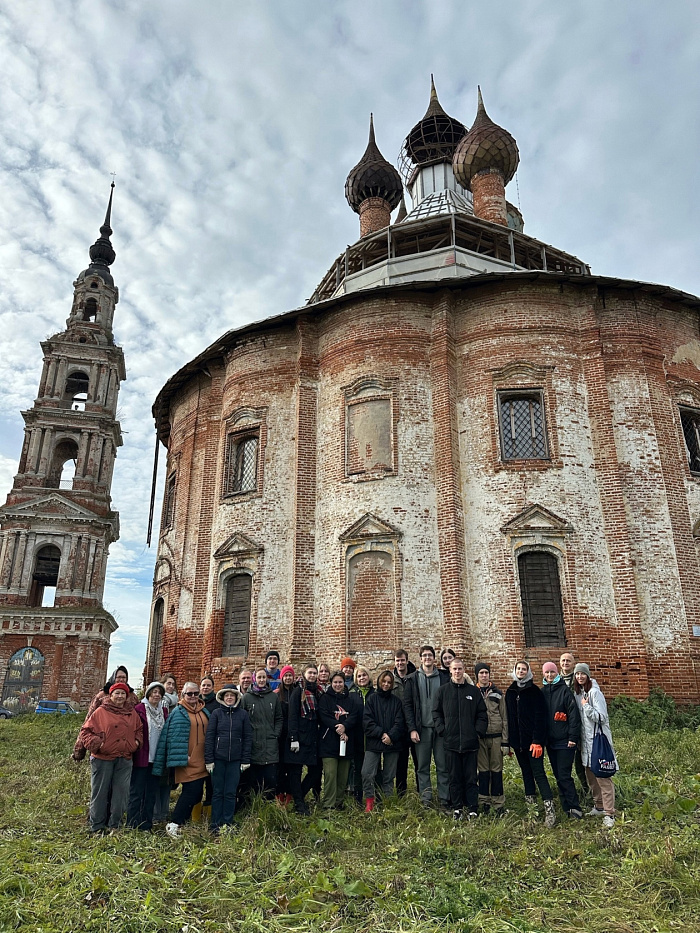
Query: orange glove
(560, 717)
(536, 750)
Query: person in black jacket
(384, 725)
(527, 734)
(302, 748)
(285, 686)
(564, 732)
(420, 693)
(338, 715)
(227, 747)
(461, 719)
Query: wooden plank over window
(237, 615)
(540, 592)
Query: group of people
(328, 733)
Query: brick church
(57, 523)
(464, 438)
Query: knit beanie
(582, 668)
(287, 669)
(119, 686)
(550, 666)
(347, 662)
(156, 683)
(481, 666)
(272, 654)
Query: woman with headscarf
(285, 686)
(145, 787)
(527, 734)
(302, 748)
(563, 733)
(120, 675)
(384, 727)
(594, 717)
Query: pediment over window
(535, 519)
(52, 505)
(238, 545)
(369, 526)
(520, 371)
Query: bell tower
(57, 524)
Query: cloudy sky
(231, 127)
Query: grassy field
(398, 869)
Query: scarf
(155, 719)
(522, 681)
(308, 702)
(555, 681)
(260, 690)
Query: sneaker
(575, 814)
(172, 829)
(457, 814)
(472, 815)
(608, 821)
(595, 812)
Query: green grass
(399, 869)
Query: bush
(658, 712)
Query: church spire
(102, 253)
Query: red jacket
(111, 732)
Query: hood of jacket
(228, 689)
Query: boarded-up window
(157, 636)
(690, 419)
(237, 615)
(371, 609)
(540, 592)
(169, 504)
(523, 435)
(369, 436)
(241, 466)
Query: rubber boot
(206, 813)
(197, 812)
(369, 805)
(550, 815)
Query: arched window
(156, 651)
(241, 473)
(45, 577)
(23, 680)
(90, 309)
(63, 464)
(76, 390)
(237, 615)
(540, 594)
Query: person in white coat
(594, 715)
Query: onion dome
(432, 140)
(102, 253)
(485, 147)
(373, 177)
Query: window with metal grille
(540, 594)
(241, 467)
(523, 435)
(237, 615)
(690, 419)
(169, 504)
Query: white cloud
(231, 128)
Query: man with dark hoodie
(265, 711)
(461, 719)
(493, 745)
(227, 749)
(384, 726)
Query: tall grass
(398, 869)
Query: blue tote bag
(603, 763)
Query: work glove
(294, 747)
(536, 750)
(210, 767)
(560, 717)
(244, 767)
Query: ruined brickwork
(383, 511)
(57, 523)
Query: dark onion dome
(373, 177)
(102, 253)
(432, 140)
(486, 146)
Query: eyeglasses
(196, 694)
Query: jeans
(431, 746)
(224, 780)
(464, 789)
(402, 766)
(161, 812)
(335, 778)
(532, 770)
(142, 798)
(191, 794)
(264, 779)
(109, 791)
(369, 772)
(561, 760)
